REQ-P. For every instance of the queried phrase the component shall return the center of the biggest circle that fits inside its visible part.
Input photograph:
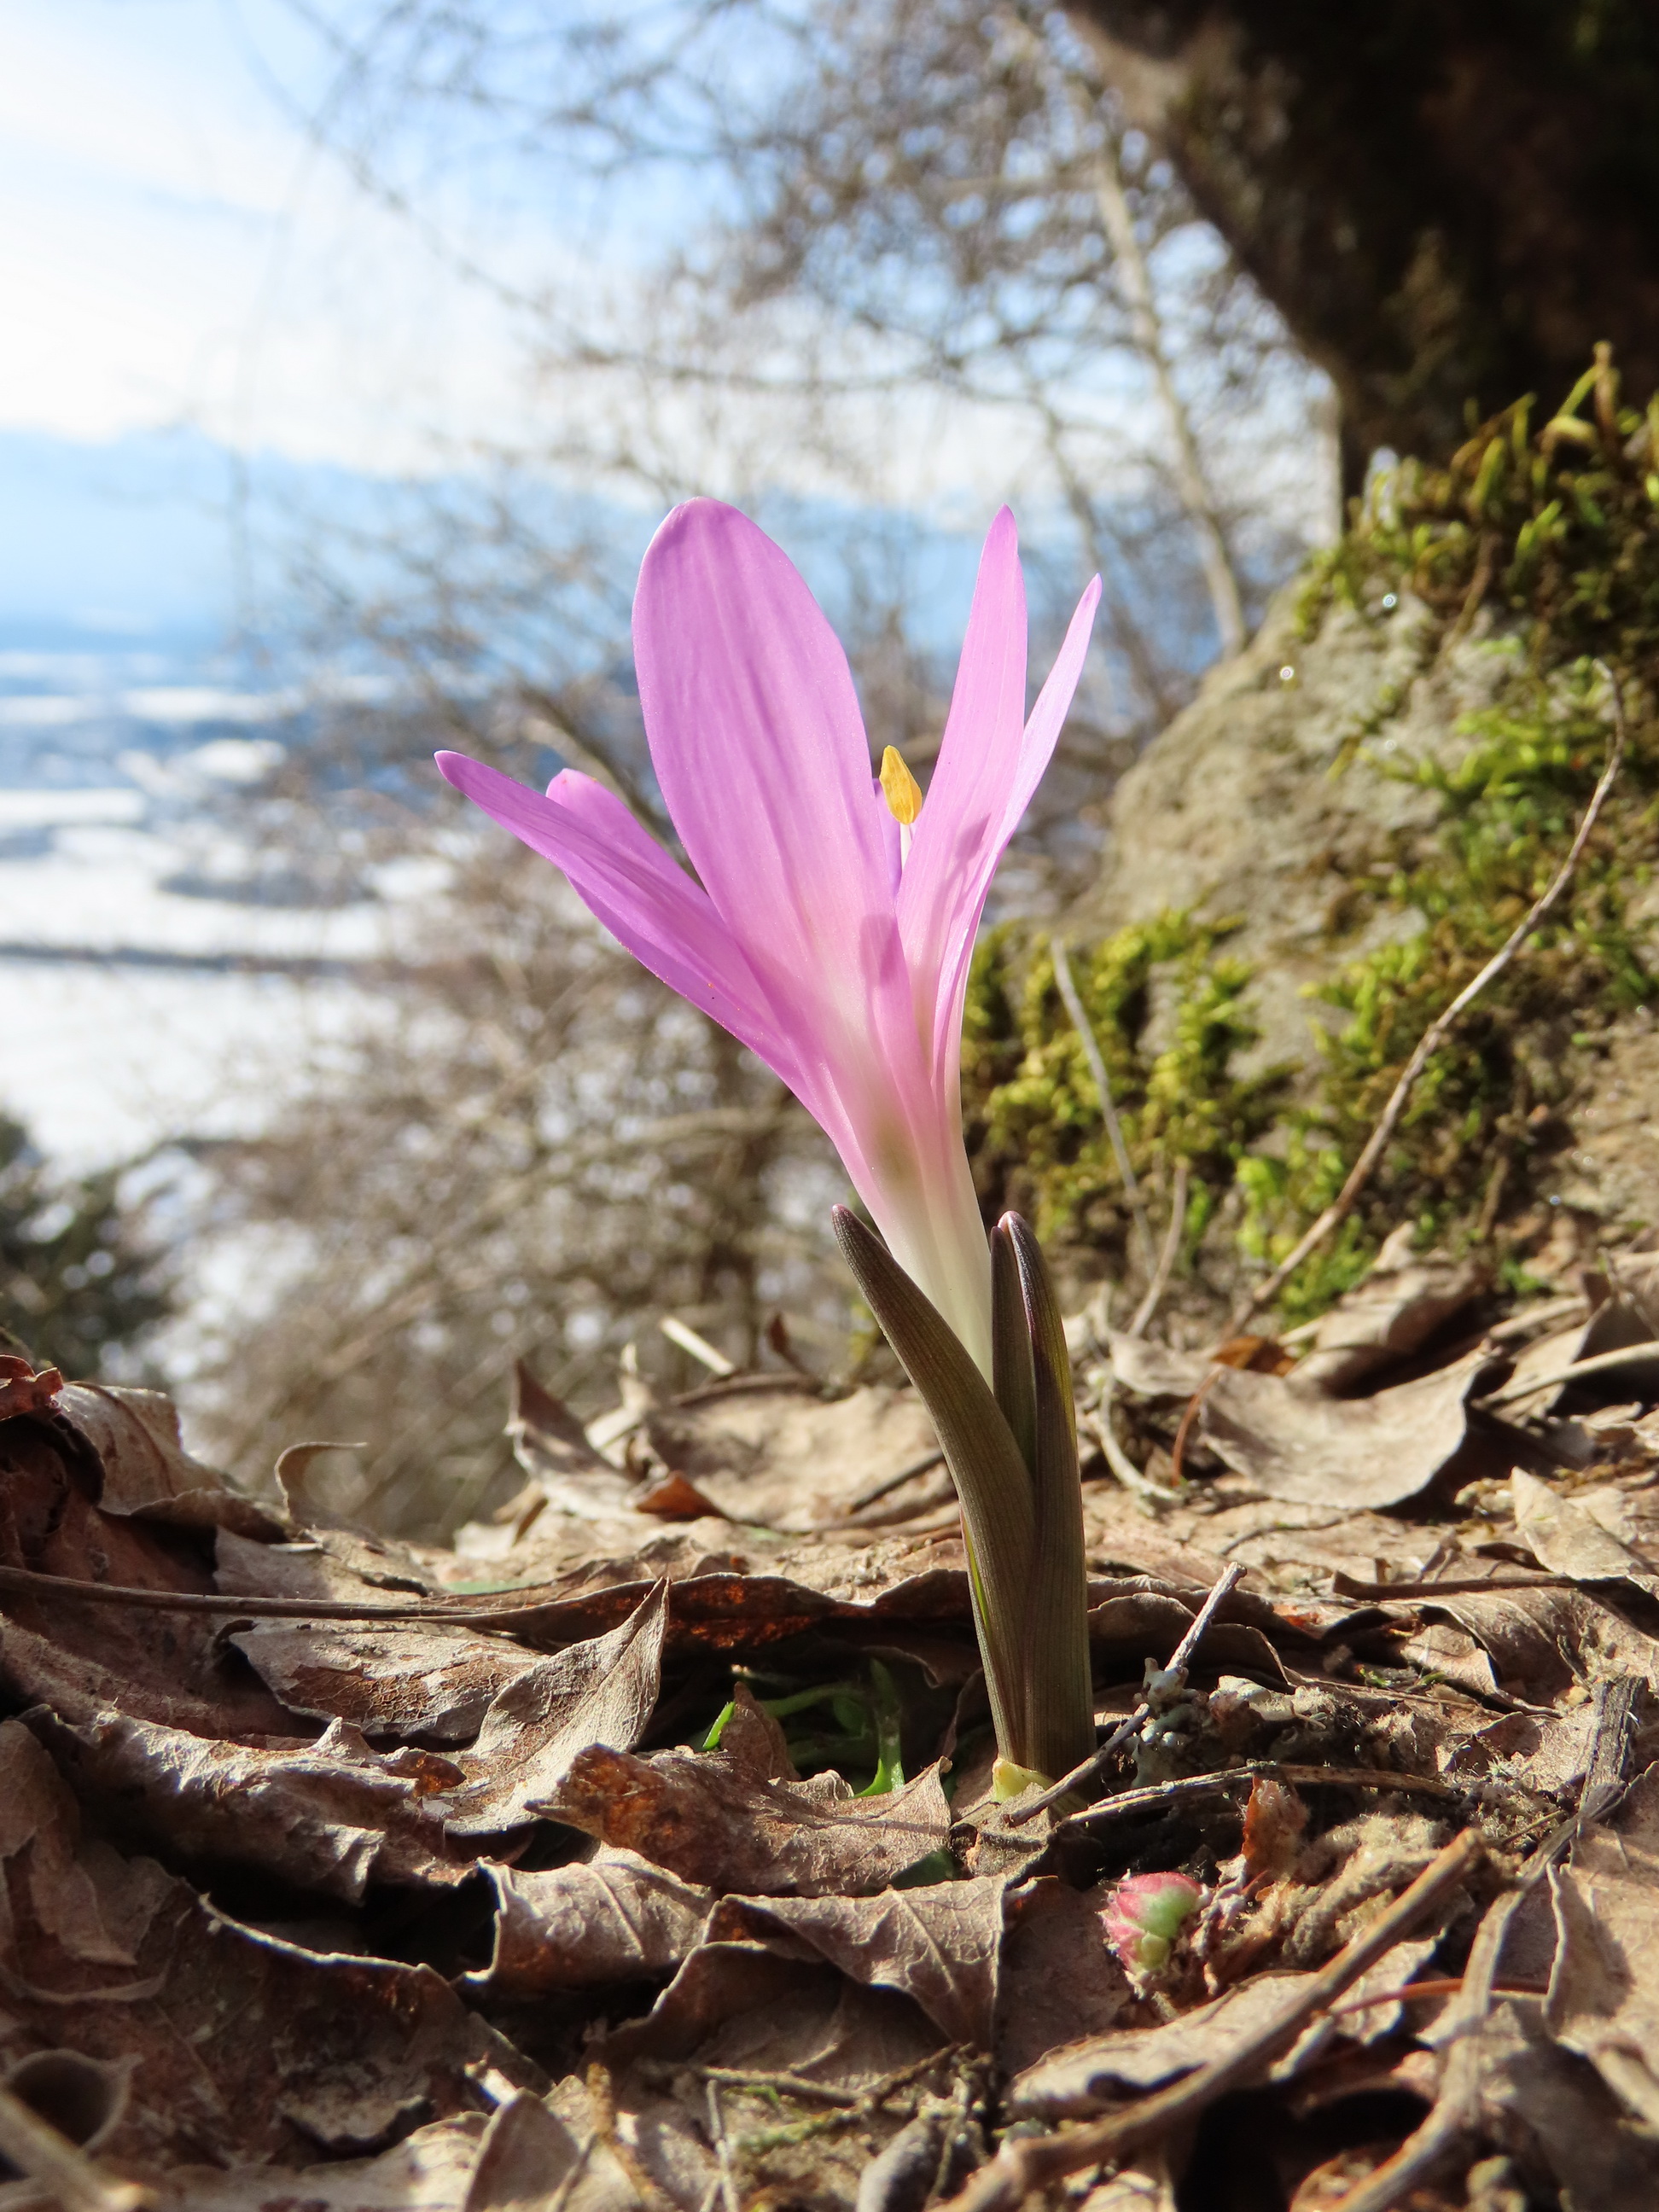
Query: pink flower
(840, 960)
(1146, 1916)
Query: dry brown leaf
(1061, 1977)
(1564, 1538)
(1083, 2076)
(1543, 1640)
(600, 1692)
(242, 2046)
(781, 1455)
(1389, 1316)
(1618, 1324)
(939, 1944)
(614, 1918)
(435, 1683)
(704, 1817)
(1556, 2107)
(333, 1816)
(430, 2171)
(130, 1439)
(1293, 1442)
(1604, 1992)
(774, 2008)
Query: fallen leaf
(1562, 2114)
(1060, 1979)
(939, 1944)
(1564, 1538)
(773, 2009)
(129, 1438)
(404, 1681)
(613, 1919)
(1617, 1325)
(1293, 1442)
(599, 1693)
(1604, 1992)
(705, 1819)
(778, 1455)
(1389, 1316)
(1084, 2076)
(527, 2157)
(430, 2171)
(333, 1816)
(242, 2046)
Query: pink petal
(989, 768)
(647, 902)
(979, 758)
(760, 750)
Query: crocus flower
(833, 942)
(1145, 1914)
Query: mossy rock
(1316, 857)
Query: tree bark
(1448, 201)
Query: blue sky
(174, 248)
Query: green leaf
(1060, 1699)
(991, 1480)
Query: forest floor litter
(637, 1850)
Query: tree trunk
(1448, 201)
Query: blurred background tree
(80, 1283)
(1450, 202)
(1128, 266)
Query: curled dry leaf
(1566, 2122)
(333, 1816)
(1085, 2077)
(243, 2048)
(1359, 1453)
(1389, 1316)
(705, 1818)
(599, 1693)
(774, 2008)
(1060, 1979)
(130, 1438)
(1564, 1538)
(939, 1944)
(614, 1918)
(1617, 1325)
(430, 2171)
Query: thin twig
(1128, 1802)
(1028, 2164)
(1166, 1259)
(722, 2149)
(1180, 1659)
(1600, 1363)
(61, 2167)
(1092, 1053)
(23, 1582)
(1435, 1036)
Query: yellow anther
(900, 788)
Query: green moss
(1558, 528)
(1163, 999)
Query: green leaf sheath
(993, 1483)
(1060, 1711)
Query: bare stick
(1028, 2164)
(1166, 1259)
(1435, 1036)
(1600, 1363)
(1092, 1054)
(1179, 1659)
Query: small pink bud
(1145, 1917)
